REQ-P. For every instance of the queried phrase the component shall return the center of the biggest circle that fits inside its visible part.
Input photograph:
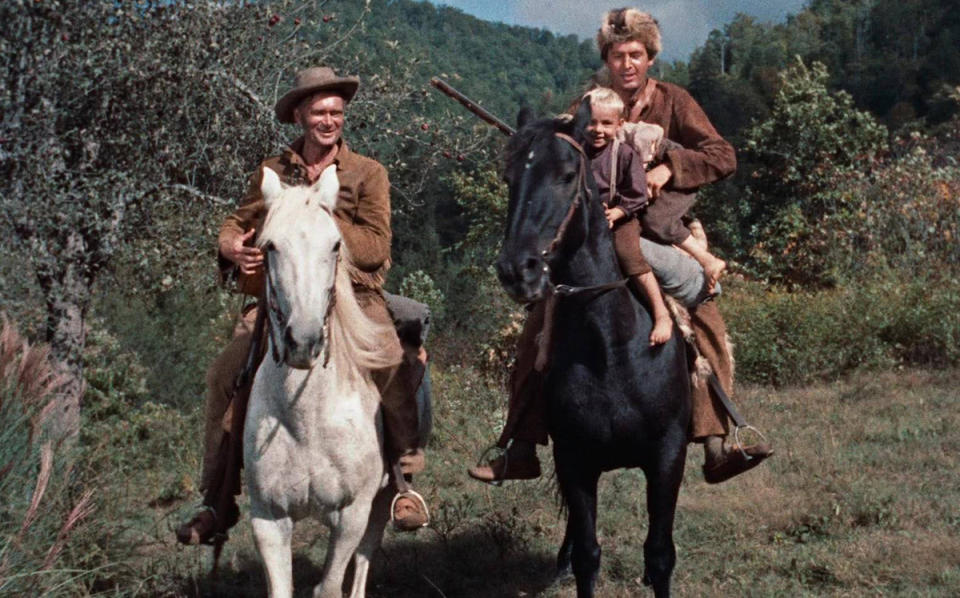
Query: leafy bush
(419, 286)
(806, 154)
(785, 337)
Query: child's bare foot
(713, 269)
(697, 232)
(662, 329)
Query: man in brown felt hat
(316, 103)
(628, 41)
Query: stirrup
(498, 453)
(213, 538)
(739, 444)
(407, 493)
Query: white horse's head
(301, 243)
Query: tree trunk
(67, 292)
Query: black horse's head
(545, 173)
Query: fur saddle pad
(700, 369)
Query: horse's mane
(521, 140)
(356, 341)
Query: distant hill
(502, 67)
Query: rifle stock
(472, 106)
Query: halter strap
(581, 191)
(545, 338)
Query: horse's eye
(336, 247)
(269, 246)
(568, 177)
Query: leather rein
(565, 290)
(544, 340)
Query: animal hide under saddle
(700, 368)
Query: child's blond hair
(604, 97)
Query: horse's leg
(663, 486)
(565, 553)
(579, 489)
(344, 538)
(272, 537)
(379, 516)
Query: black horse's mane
(522, 139)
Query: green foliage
(419, 286)
(481, 312)
(807, 154)
(889, 55)
(799, 337)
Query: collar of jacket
(292, 155)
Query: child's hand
(656, 179)
(614, 214)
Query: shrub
(809, 156)
(798, 337)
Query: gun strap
(614, 154)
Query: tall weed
(41, 503)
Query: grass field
(861, 499)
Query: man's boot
(722, 463)
(519, 462)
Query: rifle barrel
(472, 106)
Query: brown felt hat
(310, 81)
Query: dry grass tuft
(29, 383)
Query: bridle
(549, 253)
(280, 319)
(556, 291)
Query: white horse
(313, 441)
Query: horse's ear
(581, 119)
(270, 185)
(524, 117)
(327, 188)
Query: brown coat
(705, 156)
(362, 212)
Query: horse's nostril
(531, 263)
(288, 339)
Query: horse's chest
(305, 462)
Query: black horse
(613, 401)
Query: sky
(684, 24)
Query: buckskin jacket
(705, 156)
(362, 213)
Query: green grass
(860, 500)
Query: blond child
(663, 222)
(622, 184)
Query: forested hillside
(894, 58)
